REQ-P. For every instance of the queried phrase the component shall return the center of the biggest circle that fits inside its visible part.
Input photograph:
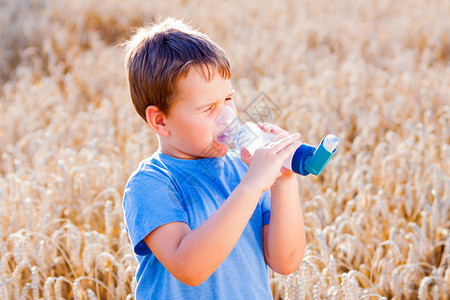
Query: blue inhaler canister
(309, 160)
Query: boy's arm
(284, 237)
(192, 256)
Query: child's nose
(231, 105)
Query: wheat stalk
(376, 220)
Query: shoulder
(151, 190)
(151, 167)
(150, 175)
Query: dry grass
(376, 73)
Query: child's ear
(156, 120)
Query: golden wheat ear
(374, 72)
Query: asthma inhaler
(305, 160)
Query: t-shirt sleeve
(265, 207)
(150, 201)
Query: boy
(201, 219)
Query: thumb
(246, 157)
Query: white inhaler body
(305, 160)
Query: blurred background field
(375, 73)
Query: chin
(223, 153)
(215, 150)
(222, 150)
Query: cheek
(198, 130)
(207, 128)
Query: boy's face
(191, 119)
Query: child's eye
(212, 107)
(209, 109)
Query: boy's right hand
(265, 166)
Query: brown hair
(158, 55)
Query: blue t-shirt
(164, 189)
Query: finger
(277, 138)
(285, 141)
(267, 127)
(288, 150)
(277, 130)
(246, 157)
(285, 171)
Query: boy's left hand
(246, 157)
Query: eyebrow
(209, 104)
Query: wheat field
(375, 73)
